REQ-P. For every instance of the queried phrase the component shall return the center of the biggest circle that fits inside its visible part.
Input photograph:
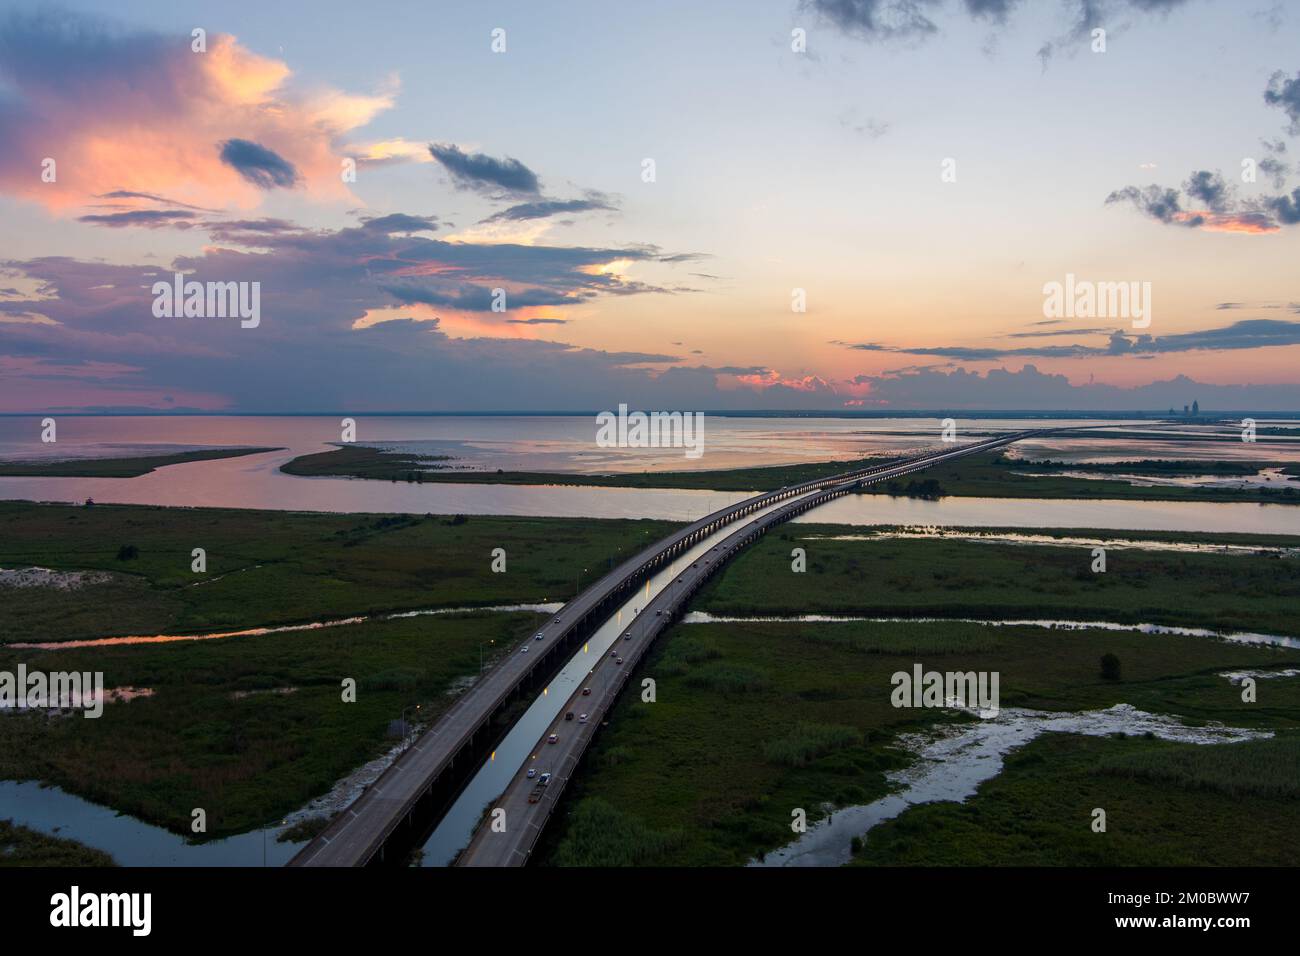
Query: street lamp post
(406, 726)
(481, 645)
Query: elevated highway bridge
(382, 824)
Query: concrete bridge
(384, 821)
(511, 842)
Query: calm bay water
(567, 444)
(479, 443)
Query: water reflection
(953, 763)
(1205, 516)
(534, 442)
(129, 841)
(1111, 544)
(281, 629)
(1237, 637)
(518, 442)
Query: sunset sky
(775, 170)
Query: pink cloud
(134, 112)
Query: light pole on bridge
(406, 727)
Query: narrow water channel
(1237, 637)
(129, 841)
(956, 758)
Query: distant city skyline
(787, 205)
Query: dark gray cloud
(1276, 170)
(161, 200)
(1290, 306)
(876, 19)
(415, 261)
(968, 354)
(1284, 93)
(71, 53)
(399, 222)
(1089, 15)
(1223, 211)
(262, 167)
(995, 10)
(1156, 6)
(484, 173)
(1285, 208)
(476, 298)
(1158, 202)
(1274, 165)
(1210, 189)
(316, 284)
(321, 276)
(237, 229)
(252, 225)
(1246, 334)
(911, 19)
(1044, 335)
(149, 218)
(869, 127)
(1271, 17)
(1029, 388)
(538, 321)
(545, 208)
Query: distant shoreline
(132, 467)
(982, 476)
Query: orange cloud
(461, 324)
(153, 124)
(1250, 223)
(771, 378)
